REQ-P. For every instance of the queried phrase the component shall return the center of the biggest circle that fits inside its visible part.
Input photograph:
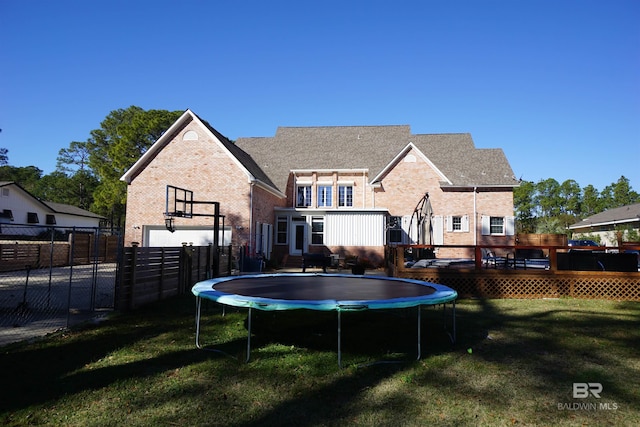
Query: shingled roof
(623, 214)
(374, 148)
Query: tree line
(87, 175)
(550, 207)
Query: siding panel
(354, 229)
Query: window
(394, 229)
(7, 214)
(317, 230)
(304, 196)
(281, 230)
(345, 195)
(324, 196)
(32, 218)
(51, 219)
(496, 225)
(458, 223)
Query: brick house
(344, 189)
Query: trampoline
(322, 292)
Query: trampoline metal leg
(198, 303)
(339, 342)
(199, 346)
(454, 321)
(452, 335)
(248, 336)
(419, 333)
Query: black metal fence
(53, 277)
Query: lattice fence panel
(519, 284)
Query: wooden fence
(20, 255)
(150, 274)
(479, 282)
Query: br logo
(582, 390)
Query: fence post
(161, 280)
(134, 263)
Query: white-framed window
(317, 230)
(458, 223)
(282, 230)
(345, 195)
(498, 225)
(303, 198)
(325, 193)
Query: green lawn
(515, 362)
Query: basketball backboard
(179, 202)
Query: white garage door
(161, 237)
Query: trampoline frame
(263, 304)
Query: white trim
(410, 146)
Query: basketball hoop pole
(181, 200)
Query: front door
(298, 243)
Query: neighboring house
(18, 208)
(332, 189)
(605, 224)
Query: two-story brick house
(331, 189)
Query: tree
(619, 194)
(74, 158)
(548, 197)
(569, 194)
(4, 157)
(123, 137)
(27, 177)
(76, 190)
(525, 207)
(591, 202)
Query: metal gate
(54, 277)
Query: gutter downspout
(251, 248)
(475, 217)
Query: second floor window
(324, 196)
(345, 195)
(303, 198)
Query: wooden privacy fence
(19, 255)
(150, 274)
(521, 283)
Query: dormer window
(345, 196)
(325, 195)
(303, 198)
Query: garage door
(161, 237)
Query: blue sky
(555, 84)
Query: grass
(515, 362)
